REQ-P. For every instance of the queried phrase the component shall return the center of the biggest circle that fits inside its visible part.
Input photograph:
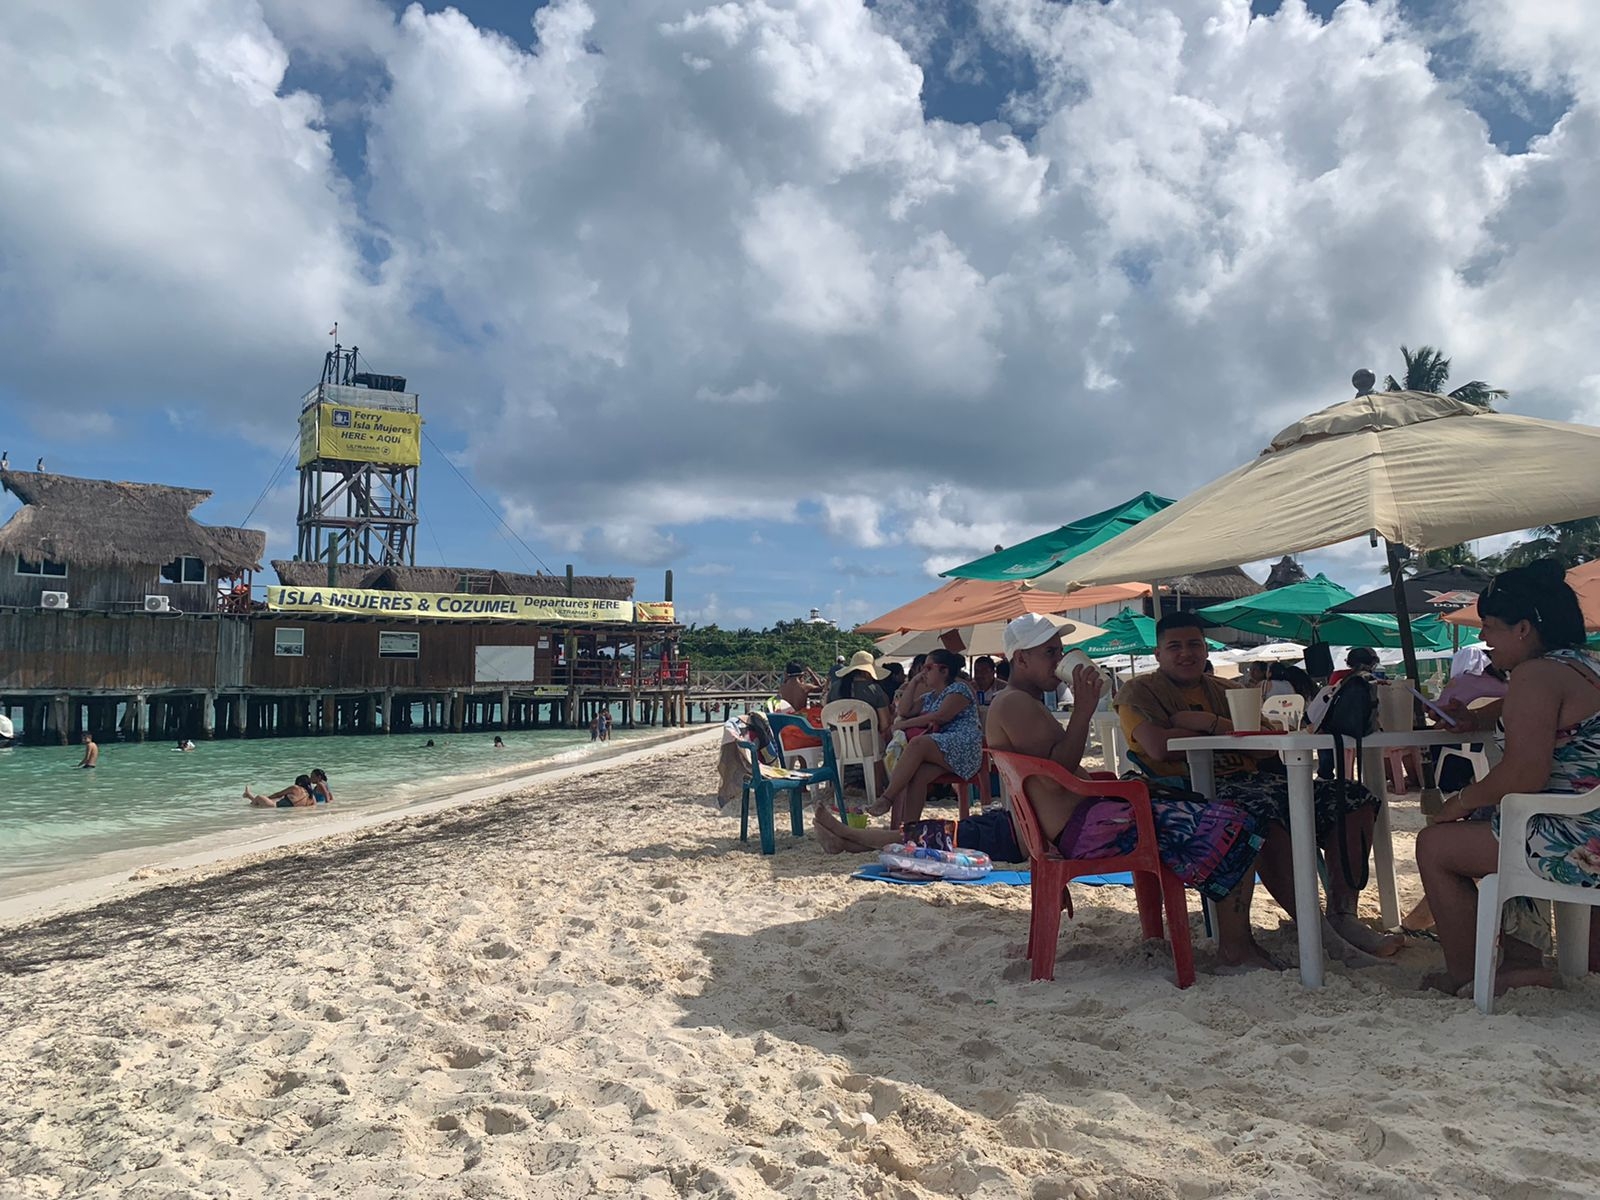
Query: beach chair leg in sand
(1516, 878)
(764, 791)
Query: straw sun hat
(862, 660)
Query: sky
(805, 300)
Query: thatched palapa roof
(101, 523)
(1225, 583)
(483, 581)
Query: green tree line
(712, 648)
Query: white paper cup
(1244, 709)
(1071, 660)
(1396, 713)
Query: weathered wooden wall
(134, 651)
(105, 588)
(344, 654)
(73, 650)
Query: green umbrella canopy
(1127, 633)
(1299, 613)
(1038, 555)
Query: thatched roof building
(97, 523)
(1285, 572)
(481, 581)
(1211, 587)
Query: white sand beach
(591, 988)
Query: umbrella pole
(1431, 797)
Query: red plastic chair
(963, 786)
(1152, 881)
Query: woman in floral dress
(951, 741)
(1550, 723)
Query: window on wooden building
(399, 645)
(41, 566)
(289, 643)
(184, 570)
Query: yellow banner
(653, 611)
(434, 606)
(368, 435)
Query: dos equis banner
(434, 606)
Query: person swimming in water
(296, 795)
(320, 791)
(91, 753)
(499, 743)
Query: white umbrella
(1271, 652)
(1421, 470)
(987, 638)
(5, 726)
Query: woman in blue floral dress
(1551, 722)
(951, 741)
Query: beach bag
(1347, 709)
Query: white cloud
(688, 261)
(167, 213)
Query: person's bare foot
(1443, 981)
(1336, 947)
(822, 826)
(1516, 977)
(1249, 957)
(1419, 918)
(1363, 937)
(883, 805)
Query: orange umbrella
(1584, 579)
(964, 602)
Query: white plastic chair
(1286, 712)
(853, 726)
(1476, 759)
(1516, 878)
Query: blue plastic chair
(828, 772)
(766, 790)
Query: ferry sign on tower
(360, 447)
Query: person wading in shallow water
(296, 795)
(91, 753)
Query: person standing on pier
(91, 753)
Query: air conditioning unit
(157, 604)
(53, 600)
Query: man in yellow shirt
(1180, 700)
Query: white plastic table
(1299, 752)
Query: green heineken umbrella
(1127, 633)
(1038, 555)
(1299, 613)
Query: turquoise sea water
(55, 817)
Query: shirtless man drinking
(1211, 847)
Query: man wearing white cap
(1212, 847)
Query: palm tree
(1428, 370)
(1572, 542)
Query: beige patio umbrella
(986, 638)
(1421, 470)
(1418, 469)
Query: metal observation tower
(360, 446)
